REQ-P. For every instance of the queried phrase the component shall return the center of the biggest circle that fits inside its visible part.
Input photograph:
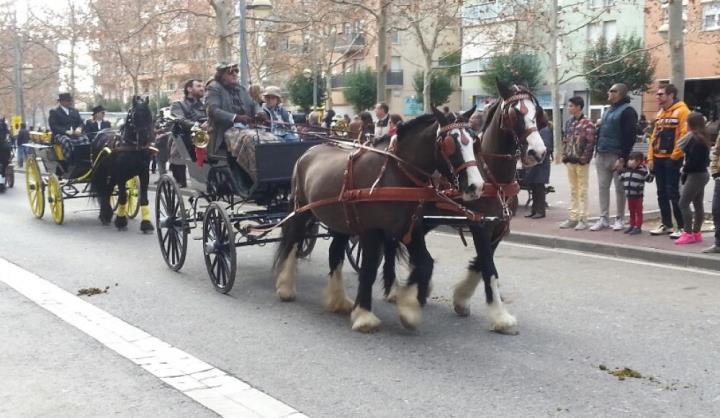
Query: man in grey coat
(228, 103)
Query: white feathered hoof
(285, 293)
(461, 310)
(364, 321)
(500, 319)
(391, 297)
(342, 305)
(285, 282)
(409, 308)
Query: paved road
(576, 312)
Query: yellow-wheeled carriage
(49, 174)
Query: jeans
(667, 175)
(20, 156)
(604, 163)
(716, 211)
(635, 205)
(578, 177)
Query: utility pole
(554, 77)
(244, 64)
(677, 53)
(382, 50)
(19, 97)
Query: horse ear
(503, 88)
(440, 117)
(466, 115)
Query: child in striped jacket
(634, 177)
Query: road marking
(202, 382)
(599, 256)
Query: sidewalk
(659, 249)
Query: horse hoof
(408, 306)
(342, 306)
(121, 223)
(146, 227)
(461, 310)
(364, 321)
(285, 295)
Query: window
(606, 30)
(610, 30)
(395, 37)
(396, 63)
(711, 16)
(594, 32)
(170, 86)
(596, 4)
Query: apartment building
(702, 54)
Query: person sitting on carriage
(66, 125)
(187, 113)
(97, 123)
(280, 120)
(5, 147)
(230, 111)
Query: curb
(658, 256)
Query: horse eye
(455, 135)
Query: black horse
(130, 156)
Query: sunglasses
(233, 70)
(659, 94)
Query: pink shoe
(698, 236)
(686, 238)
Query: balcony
(349, 42)
(392, 78)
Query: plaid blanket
(241, 143)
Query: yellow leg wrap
(122, 210)
(145, 212)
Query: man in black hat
(64, 119)
(97, 123)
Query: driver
(66, 124)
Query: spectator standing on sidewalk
(615, 141)
(694, 176)
(634, 177)
(22, 137)
(715, 173)
(665, 158)
(578, 148)
(539, 175)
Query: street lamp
(307, 73)
(262, 9)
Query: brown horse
(509, 133)
(420, 147)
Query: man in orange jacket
(665, 158)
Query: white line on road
(204, 383)
(600, 256)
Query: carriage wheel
(133, 191)
(10, 176)
(171, 222)
(55, 199)
(219, 248)
(354, 253)
(307, 245)
(34, 185)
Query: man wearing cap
(227, 103)
(64, 119)
(97, 123)
(280, 120)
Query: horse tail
(294, 231)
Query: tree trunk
(382, 51)
(222, 29)
(554, 79)
(677, 54)
(427, 84)
(328, 90)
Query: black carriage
(64, 178)
(231, 210)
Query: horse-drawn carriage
(63, 175)
(219, 205)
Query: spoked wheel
(172, 224)
(354, 253)
(34, 186)
(55, 199)
(133, 193)
(307, 245)
(219, 248)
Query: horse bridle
(445, 144)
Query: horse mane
(489, 113)
(421, 121)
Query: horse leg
(389, 283)
(501, 320)
(103, 197)
(412, 296)
(146, 225)
(362, 318)
(285, 265)
(121, 216)
(336, 299)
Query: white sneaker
(661, 230)
(601, 224)
(618, 225)
(568, 224)
(581, 226)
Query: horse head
(456, 147)
(139, 128)
(522, 116)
